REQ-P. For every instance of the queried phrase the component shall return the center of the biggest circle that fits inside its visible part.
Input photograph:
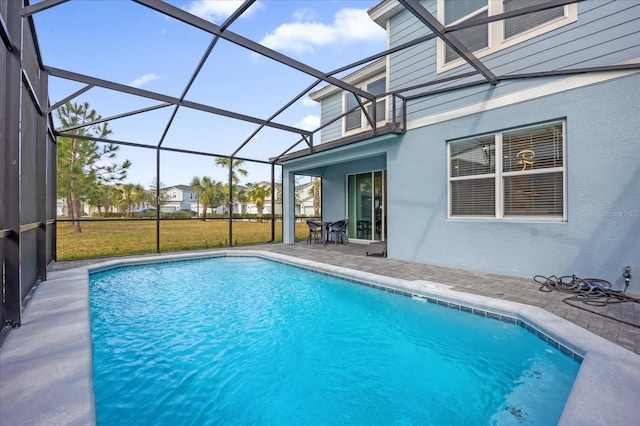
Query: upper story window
(357, 120)
(488, 38)
(508, 175)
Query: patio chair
(337, 231)
(315, 232)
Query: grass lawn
(135, 236)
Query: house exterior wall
(334, 184)
(330, 108)
(333, 166)
(604, 34)
(600, 111)
(600, 235)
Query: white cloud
(144, 79)
(310, 122)
(304, 15)
(305, 35)
(308, 102)
(218, 10)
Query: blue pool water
(248, 341)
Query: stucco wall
(334, 184)
(602, 233)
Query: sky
(128, 43)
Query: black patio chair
(337, 231)
(315, 232)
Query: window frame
(364, 123)
(499, 174)
(496, 37)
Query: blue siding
(605, 33)
(602, 172)
(331, 107)
(603, 192)
(600, 235)
(334, 197)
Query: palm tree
(224, 162)
(133, 194)
(316, 185)
(258, 193)
(235, 167)
(243, 199)
(210, 193)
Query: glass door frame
(373, 227)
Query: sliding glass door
(366, 206)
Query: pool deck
(43, 382)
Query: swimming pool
(190, 343)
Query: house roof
(367, 71)
(182, 187)
(383, 11)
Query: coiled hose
(588, 291)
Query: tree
(243, 199)
(314, 191)
(96, 197)
(224, 162)
(113, 197)
(163, 195)
(210, 193)
(258, 193)
(82, 164)
(235, 166)
(133, 195)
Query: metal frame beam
(417, 10)
(163, 148)
(11, 142)
(234, 38)
(69, 75)
(277, 113)
(4, 35)
(68, 98)
(39, 7)
(114, 117)
(198, 68)
(572, 71)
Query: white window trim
(499, 174)
(364, 123)
(497, 41)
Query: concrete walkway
(522, 290)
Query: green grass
(124, 237)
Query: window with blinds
(521, 24)
(474, 38)
(526, 178)
(378, 87)
(355, 119)
(352, 120)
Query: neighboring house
(181, 197)
(304, 200)
(504, 161)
